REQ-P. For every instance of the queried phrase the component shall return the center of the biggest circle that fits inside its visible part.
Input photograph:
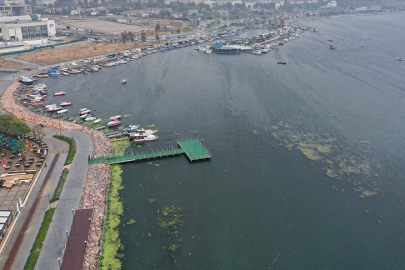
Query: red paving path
(79, 232)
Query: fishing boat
(400, 59)
(124, 81)
(264, 51)
(43, 92)
(97, 128)
(131, 127)
(143, 138)
(142, 131)
(97, 121)
(66, 73)
(62, 111)
(53, 72)
(43, 75)
(53, 109)
(26, 80)
(40, 86)
(332, 47)
(91, 118)
(59, 94)
(65, 104)
(85, 112)
(257, 52)
(113, 123)
(83, 109)
(50, 106)
(117, 117)
(282, 63)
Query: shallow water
(260, 203)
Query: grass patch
(60, 185)
(36, 247)
(72, 147)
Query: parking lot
(109, 28)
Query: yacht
(143, 138)
(400, 59)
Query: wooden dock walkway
(193, 149)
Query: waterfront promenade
(85, 188)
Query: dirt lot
(75, 52)
(6, 63)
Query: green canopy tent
(12, 142)
(15, 148)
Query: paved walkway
(56, 238)
(78, 237)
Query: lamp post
(60, 128)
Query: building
(5, 220)
(15, 10)
(24, 28)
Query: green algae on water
(170, 219)
(110, 257)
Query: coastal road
(55, 240)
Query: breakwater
(96, 183)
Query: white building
(25, 29)
(331, 4)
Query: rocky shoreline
(94, 193)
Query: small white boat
(59, 94)
(114, 123)
(66, 73)
(143, 138)
(91, 118)
(117, 117)
(85, 112)
(64, 104)
(62, 111)
(257, 52)
(400, 59)
(124, 81)
(97, 121)
(53, 109)
(84, 109)
(50, 106)
(84, 116)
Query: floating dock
(192, 149)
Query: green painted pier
(193, 149)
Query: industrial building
(18, 28)
(14, 10)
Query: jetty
(193, 149)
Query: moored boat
(49, 106)
(124, 81)
(400, 59)
(143, 138)
(59, 94)
(113, 123)
(282, 63)
(62, 111)
(91, 118)
(117, 117)
(97, 121)
(85, 112)
(43, 75)
(53, 109)
(64, 104)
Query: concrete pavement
(55, 240)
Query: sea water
(307, 167)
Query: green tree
(157, 37)
(157, 28)
(229, 5)
(23, 146)
(13, 126)
(124, 36)
(143, 36)
(130, 36)
(178, 30)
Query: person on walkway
(46, 165)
